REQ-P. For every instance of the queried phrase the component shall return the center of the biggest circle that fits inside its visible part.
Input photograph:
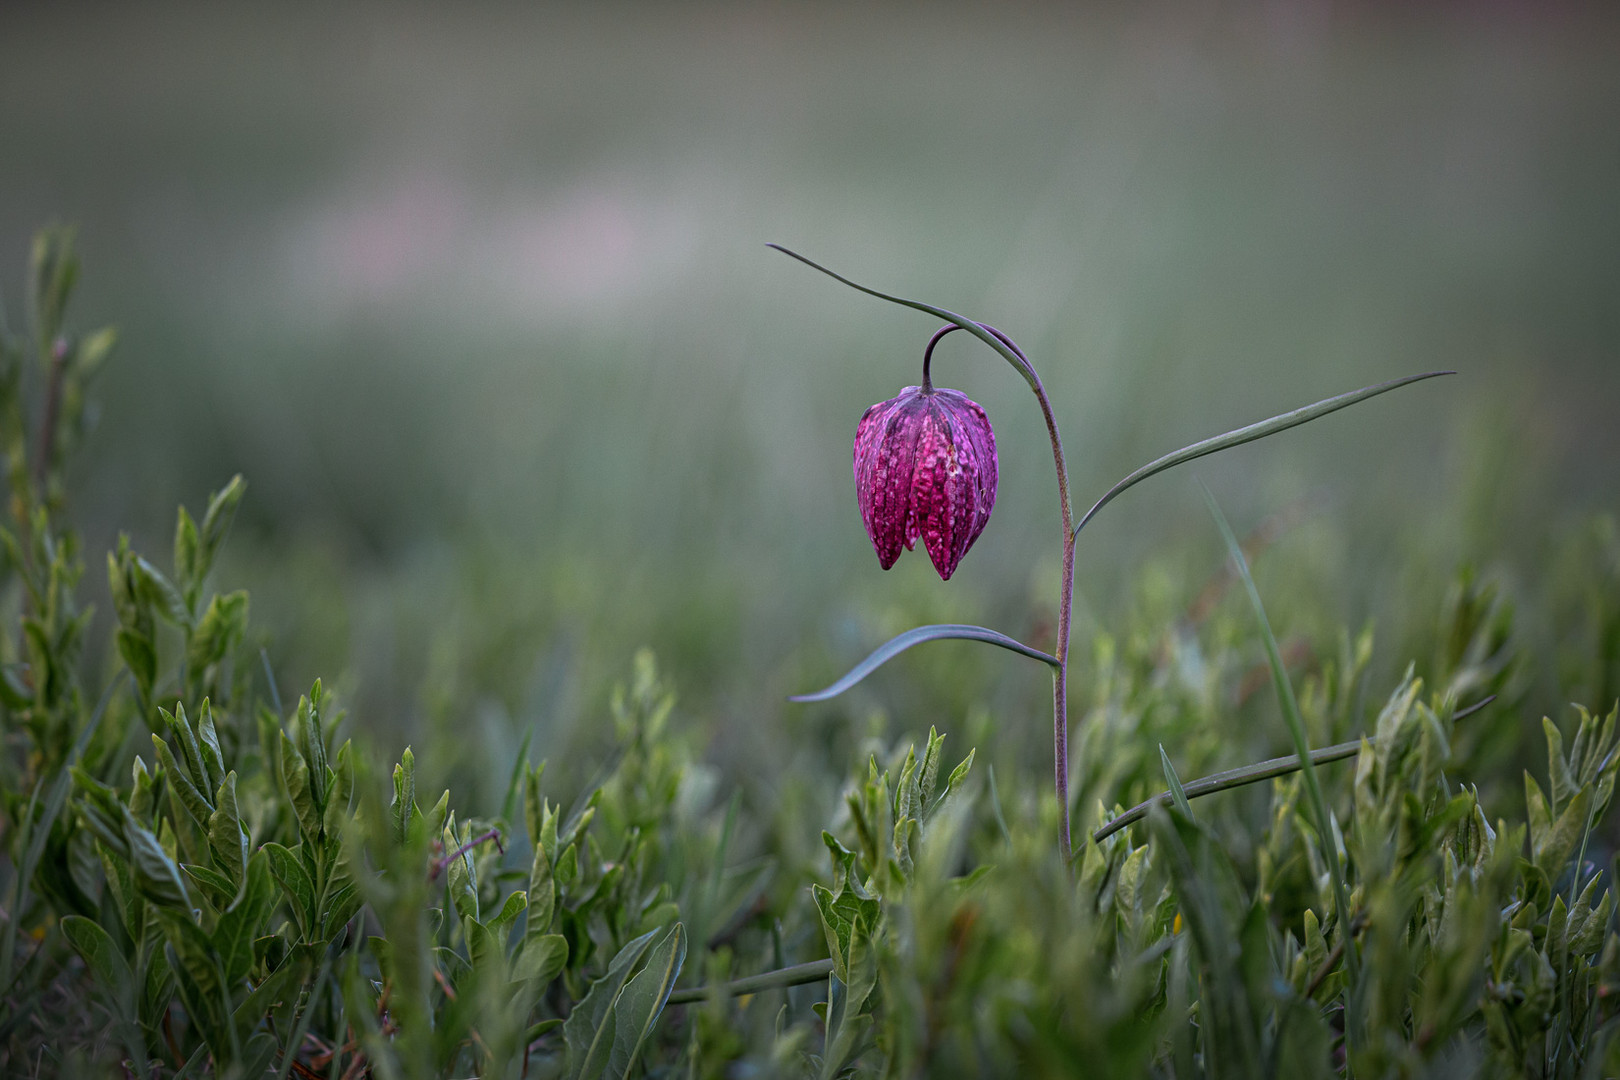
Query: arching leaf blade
(1249, 433)
(900, 643)
(952, 317)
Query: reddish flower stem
(1060, 678)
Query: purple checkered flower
(925, 467)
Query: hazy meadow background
(477, 298)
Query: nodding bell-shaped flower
(925, 467)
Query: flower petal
(885, 450)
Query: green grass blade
(1258, 430)
(899, 644)
(1296, 730)
(1018, 362)
(1177, 793)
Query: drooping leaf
(900, 643)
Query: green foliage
(197, 881)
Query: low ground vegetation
(204, 878)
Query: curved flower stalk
(888, 440)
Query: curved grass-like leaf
(1248, 774)
(899, 644)
(1289, 705)
(796, 975)
(1020, 364)
(1249, 433)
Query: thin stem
(928, 354)
(440, 864)
(1060, 675)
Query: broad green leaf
(1553, 851)
(1537, 811)
(534, 804)
(245, 920)
(140, 656)
(295, 780)
(542, 896)
(217, 520)
(343, 899)
(844, 918)
(311, 726)
(287, 867)
(460, 874)
(225, 833)
(637, 1009)
(186, 552)
(1563, 784)
(216, 887)
(567, 866)
(540, 959)
(1304, 1043)
(221, 627)
(404, 795)
(189, 809)
(843, 861)
(104, 960)
(157, 878)
(156, 591)
(510, 910)
(928, 778)
(189, 749)
(198, 977)
(208, 744)
(958, 776)
(588, 1032)
(900, 643)
(339, 792)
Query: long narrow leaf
(1019, 363)
(1249, 433)
(1296, 731)
(1248, 774)
(899, 644)
(797, 975)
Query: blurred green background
(477, 298)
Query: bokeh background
(477, 298)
